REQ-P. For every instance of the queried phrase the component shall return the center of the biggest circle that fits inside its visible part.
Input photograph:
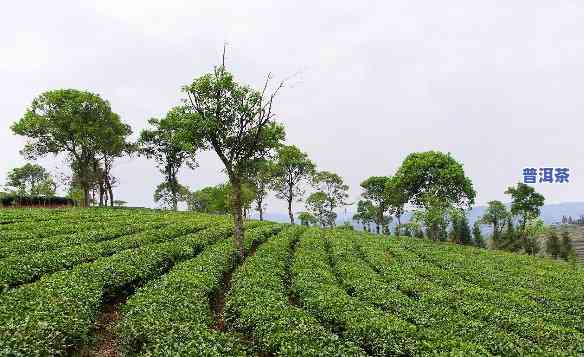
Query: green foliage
(78, 123)
(171, 146)
(375, 191)
(365, 214)
(218, 199)
(318, 204)
(552, 244)
(566, 249)
(429, 177)
(237, 122)
(168, 195)
(477, 235)
(307, 219)
(31, 180)
(292, 168)
(526, 203)
(496, 215)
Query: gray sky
(498, 84)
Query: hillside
(107, 282)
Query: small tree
(566, 248)
(306, 219)
(496, 215)
(261, 178)
(477, 235)
(552, 244)
(31, 180)
(397, 199)
(166, 143)
(334, 190)
(318, 205)
(374, 191)
(237, 122)
(292, 168)
(526, 204)
(365, 214)
(168, 195)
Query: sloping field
(140, 282)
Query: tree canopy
(292, 168)
(78, 123)
(32, 180)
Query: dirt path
(218, 301)
(106, 340)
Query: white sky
(499, 84)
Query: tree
(496, 215)
(435, 182)
(552, 244)
(292, 168)
(365, 214)
(374, 191)
(566, 249)
(217, 199)
(168, 195)
(113, 146)
(262, 179)
(167, 143)
(237, 122)
(526, 204)
(68, 121)
(334, 190)
(429, 177)
(477, 235)
(318, 205)
(460, 232)
(31, 180)
(397, 199)
(306, 219)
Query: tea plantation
(142, 282)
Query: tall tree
(68, 121)
(237, 122)
(31, 180)
(437, 183)
(167, 195)
(292, 169)
(374, 191)
(496, 215)
(334, 189)
(166, 142)
(526, 204)
(113, 146)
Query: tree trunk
(377, 228)
(85, 196)
(261, 210)
(290, 210)
(237, 218)
(398, 224)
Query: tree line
(237, 122)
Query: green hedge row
(172, 315)
(258, 306)
(318, 289)
(440, 327)
(26, 268)
(95, 233)
(55, 314)
(435, 287)
(49, 228)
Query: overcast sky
(499, 84)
